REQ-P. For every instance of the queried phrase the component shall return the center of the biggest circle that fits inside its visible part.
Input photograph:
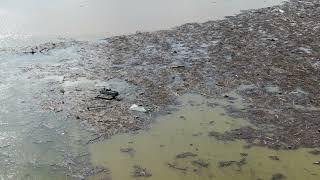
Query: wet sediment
(269, 56)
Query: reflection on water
(186, 131)
(20, 19)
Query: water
(34, 143)
(37, 144)
(33, 21)
(187, 131)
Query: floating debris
(315, 152)
(275, 158)
(176, 167)
(186, 155)
(317, 163)
(278, 176)
(5, 146)
(239, 164)
(221, 136)
(129, 150)
(138, 108)
(230, 98)
(201, 163)
(244, 154)
(107, 94)
(139, 171)
(226, 163)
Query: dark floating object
(275, 158)
(176, 167)
(230, 163)
(244, 154)
(317, 163)
(129, 151)
(278, 176)
(229, 97)
(201, 163)
(185, 155)
(315, 152)
(109, 92)
(139, 171)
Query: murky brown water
(187, 131)
(34, 20)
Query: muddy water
(187, 131)
(32, 21)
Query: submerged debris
(244, 154)
(220, 136)
(239, 164)
(275, 158)
(201, 163)
(315, 152)
(278, 176)
(5, 146)
(226, 163)
(139, 171)
(186, 155)
(176, 167)
(129, 150)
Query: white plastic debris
(278, 10)
(135, 107)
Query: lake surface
(33, 21)
(37, 144)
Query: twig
(175, 167)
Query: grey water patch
(246, 87)
(299, 91)
(81, 82)
(54, 78)
(272, 89)
(32, 139)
